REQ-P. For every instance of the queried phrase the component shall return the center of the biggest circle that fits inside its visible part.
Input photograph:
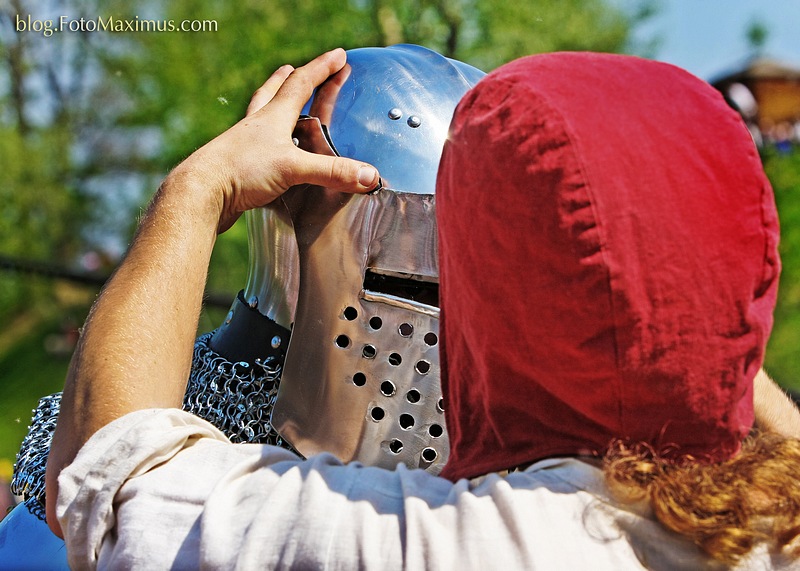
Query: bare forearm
(775, 411)
(136, 344)
(135, 349)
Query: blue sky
(707, 37)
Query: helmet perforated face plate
(361, 378)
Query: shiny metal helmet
(361, 376)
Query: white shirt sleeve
(215, 504)
(94, 485)
(163, 489)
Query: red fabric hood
(608, 258)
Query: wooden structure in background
(775, 86)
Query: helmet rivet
(229, 317)
(414, 121)
(276, 342)
(295, 141)
(395, 113)
(253, 302)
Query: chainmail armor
(237, 398)
(28, 478)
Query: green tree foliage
(41, 211)
(549, 25)
(757, 34)
(129, 106)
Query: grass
(29, 372)
(783, 350)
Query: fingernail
(377, 188)
(367, 176)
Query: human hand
(254, 162)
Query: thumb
(338, 173)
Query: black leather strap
(248, 335)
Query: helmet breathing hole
(395, 359)
(376, 322)
(342, 341)
(429, 454)
(350, 313)
(359, 379)
(440, 404)
(396, 446)
(436, 430)
(431, 339)
(406, 329)
(377, 413)
(387, 388)
(369, 352)
(423, 367)
(406, 421)
(413, 396)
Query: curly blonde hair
(726, 508)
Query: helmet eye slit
(402, 287)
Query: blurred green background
(91, 121)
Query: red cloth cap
(608, 258)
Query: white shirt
(161, 489)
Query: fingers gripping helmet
(361, 377)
